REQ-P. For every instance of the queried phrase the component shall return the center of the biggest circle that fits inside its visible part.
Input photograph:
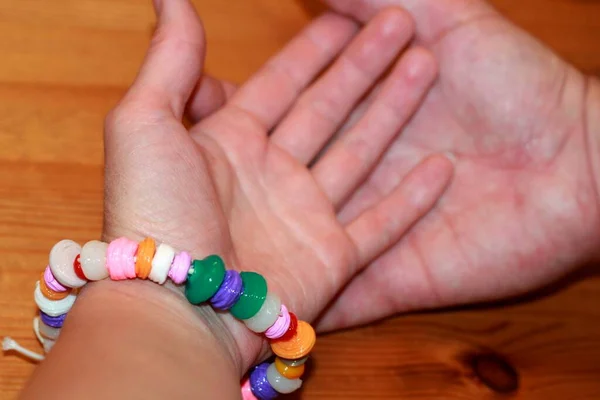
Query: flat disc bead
(144, 256)
(297, 346)
(180, 267)
(253, 296)
(281, 325)
(204, 279)
(247, 391)
(48, 331)
(161, 263)
(266, 316)
(259, 384)
(53, 321)
(51, 281)
(288, 371)
(53, 308)
(120, 259)
(93, 260)
(229, 292)
(280, 383)
(62, 257)
(49, 293)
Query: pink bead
(120, 259)
(180, 267)
(51, 281)
(246, 391)
(281, 326)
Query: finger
(363, 145)
(382, 225)
(174, 61)
(209, 95)
(323, 108)
(271, 91)
(434, 18)
(395, 282)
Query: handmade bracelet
(243, 294)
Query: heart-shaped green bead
(204, 279)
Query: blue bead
(260, 386)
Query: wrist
(591, 121)
(134, 339)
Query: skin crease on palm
(522, 209)
(225, 187)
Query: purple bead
(259, 384)
(229, 292)
(54, 322)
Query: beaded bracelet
(244, 294)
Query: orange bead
(288, 371)
(298, 345)
(145, 254)
(51, 294)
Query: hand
(522, 209)
(225, 187)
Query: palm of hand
(225, 187)
(522, 205)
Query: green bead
(204, 279)
(253, 296)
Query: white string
(9, 344)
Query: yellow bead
(287, 371)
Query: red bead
(291, 330)
(78, 270)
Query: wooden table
(64, 64)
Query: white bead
(266, 316)
(280, 383)
(53, 308)
(93, 260)
(62, 256)
(48, 344)
(161, 263)
(48, 331)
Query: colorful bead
(229, 292)
(180, 267)
(288, 371)
(51, 281)
(120, 259)
(53, 307)
(77, 268)
(280, 383)
(293, 363)
(93, 260)
(299, 345)
(145, 254)
(49, 293)
(281, 326)
(259, 384)
(253, 296)
(291, 329)
(49, 331)
(204, 279)
(161, 263)
(62, 256)
(266, 316)
(54, 322)
(247, 391)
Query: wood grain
(64, 64)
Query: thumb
(174, 61)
